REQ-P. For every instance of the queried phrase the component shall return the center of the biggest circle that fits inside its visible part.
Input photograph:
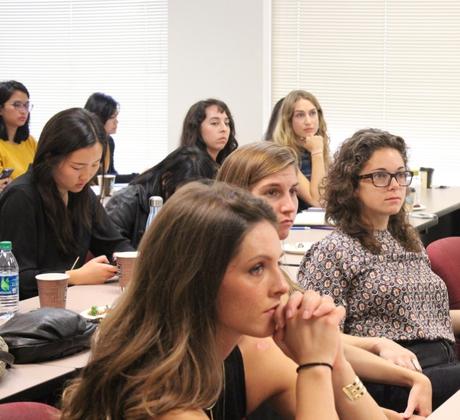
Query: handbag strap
(6, 357)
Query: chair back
(28, 411)
(444, 255)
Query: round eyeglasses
(383, 179)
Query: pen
(300, 227)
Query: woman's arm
(455, 316)
(271, 376)
(122, 209)
(376, 369)
(387, 349)
(105, 237)
(309, 191)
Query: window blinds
(388, 64)
(64, 50)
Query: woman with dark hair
(375, 265)
(209, 126)
(107, 109)
(17, 146)
(50, 213)
(269, 171)
(129, 207)
(302, 126)
(174, 347)
(273, 120)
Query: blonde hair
(253, 162)
(156, 351)
(284, 134)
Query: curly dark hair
(342, 207)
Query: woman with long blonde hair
(207, 276)
(301, 125)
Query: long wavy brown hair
(344, 209)
(156, 349)
(284, 134)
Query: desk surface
(439, 201)
(24, 376)
(449, 410)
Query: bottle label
(9, 285)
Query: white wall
(217, 48)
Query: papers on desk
(315, 217)
(297, 247)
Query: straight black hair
(6, 91)
(64, 133)
(104, 106)
(183, 165)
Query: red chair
(444, 255)
(28, 411)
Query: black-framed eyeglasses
(383, 179)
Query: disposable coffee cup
(426, 177)
(125, 263)
(52, 289)
(106, 183)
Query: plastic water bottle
(155, 203)
(9, 282)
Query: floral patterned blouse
(393, 294)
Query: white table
(450, 410)
(22, 377)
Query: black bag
(46, 334)
(6, 359)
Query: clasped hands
(307, 328)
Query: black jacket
(23, 221)
(129, 210)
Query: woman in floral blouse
(375, 265)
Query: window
(64, 50)
(386, 64)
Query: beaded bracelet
(310, 365)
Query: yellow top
(17, 156)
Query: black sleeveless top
(231, 404)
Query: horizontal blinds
(388, 64)
(65, 50)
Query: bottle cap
(5, 246)
(155, 201)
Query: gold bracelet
(355, 390)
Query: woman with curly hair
(209, 125)
(174, 346)
(269, 171)
(301, 125)
(375, 265)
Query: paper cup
(52, 289)
(106, 183)
(125, 263)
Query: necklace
(211, 408)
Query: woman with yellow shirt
(17, 146)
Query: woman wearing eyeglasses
(17, 146)
(376, 267)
